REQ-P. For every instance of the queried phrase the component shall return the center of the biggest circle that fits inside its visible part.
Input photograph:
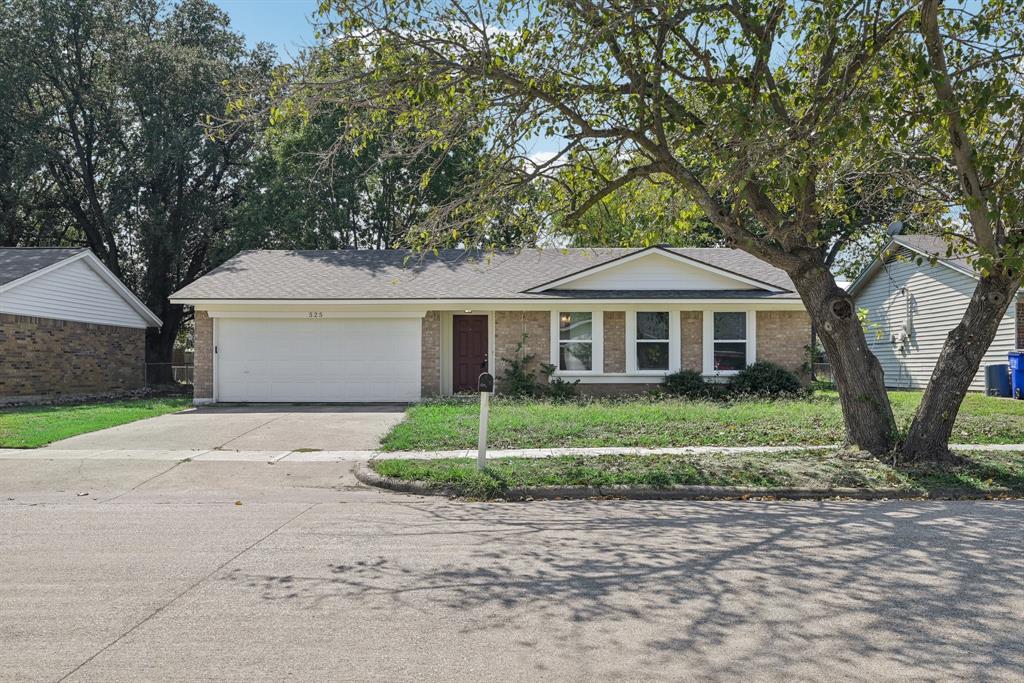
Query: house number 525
(315, 314)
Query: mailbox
(485, 383)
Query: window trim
(675, 359)
(709, 340)
(596, 342)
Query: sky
(285, 25)
(282, 23)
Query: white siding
(933, 305)
(72, 292)
(655, 271)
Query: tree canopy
(792, 126)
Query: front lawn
(35, 426)
(818, 420)
(982, 474)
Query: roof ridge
(45, 248)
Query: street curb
(365, 474)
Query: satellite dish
(895, 228)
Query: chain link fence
(161, 374)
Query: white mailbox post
(485, 384)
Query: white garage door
(323, 360)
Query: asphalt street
(153, 569)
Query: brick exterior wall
(44, 358)
(782, 336)
(614, 341)
(430, 361)
(691, 340)
(617, 389)
(203, 345)
(509, 328)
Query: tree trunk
(160, 346)
(858, 375)
(928, 439)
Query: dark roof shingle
(17, 262)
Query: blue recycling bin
(1017, 373)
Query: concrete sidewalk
(223, 455)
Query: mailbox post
(485, 384)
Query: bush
(558, 389)
(685, 383)
(516, 380)
(766, 379)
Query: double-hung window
(730, 342)
(652, 340)
(575, 341)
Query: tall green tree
(107, 126)
(759, 111)
(316, 185)
(313, 189)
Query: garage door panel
(326, 360)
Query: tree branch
(963, 152)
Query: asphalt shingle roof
(934, 245)
(451, 274)
(17, 262)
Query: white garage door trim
(267, 359)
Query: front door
(469, 333)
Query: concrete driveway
(194, 571)
(269, 428)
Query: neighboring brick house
(68, 327)
(393, 325)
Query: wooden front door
(469, 335)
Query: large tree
(313, 189)
(106, 121)
(962, 96)
(760, 111)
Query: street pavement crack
(188, 590)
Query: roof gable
(926, 246)
(655, 269)
(73, 285)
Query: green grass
(665, 422)
(36, 426)
(981, 474)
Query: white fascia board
(509, 304)
(305, 315)
(647, 252)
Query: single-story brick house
(914, 294)
(393, 325)
(68, 326)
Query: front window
(730, 341)
(575, 342)
(652, 340)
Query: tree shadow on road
(851, 590)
